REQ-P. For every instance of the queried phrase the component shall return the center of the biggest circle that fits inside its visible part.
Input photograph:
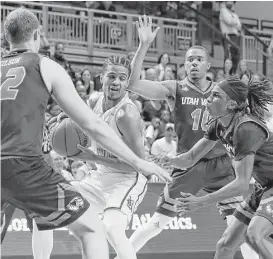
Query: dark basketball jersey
(191, 117)
(248, 135)
(24, 98)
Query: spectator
(106, 6)
(79, 170)
(45, 46)
(150, 108)
(58, 165)
(220, 75)
(163, 62)
(82, 92)
(4, 45)
(211, 76)
(257, 77)
(244, 78)
(152, 132)
(78, 84)
(227, 68)
(165, 117)
(231, 28)
(88, 83)
(165, 146)
(58, 56)
(181, 73)
(169, 75)
(151, 74)
(54, 109)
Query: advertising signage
(194, 232)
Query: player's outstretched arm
(148, 89)
(88, 155)
(62, 88)
(239, 186)
(190, 158)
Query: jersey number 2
(196, 115)
(15, 76)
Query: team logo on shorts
(269, 209)
(76, 204)
(130, 203)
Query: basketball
(66, 136)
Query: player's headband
(233, 88)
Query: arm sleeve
(210, 134)
(248, 139)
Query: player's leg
(258, 236)
(190, 181)
(246, 250)
(261, 228)
(57, 204)
(42, 242)
(231, 240)
(116, 222)
(225, 174)
(235, 233)
(124, 198)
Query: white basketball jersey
(110, 118)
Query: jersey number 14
(196, 116)
(15, 76)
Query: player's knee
(225, 244)
(88, 223)
(253, 234)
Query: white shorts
(91, 190)
(123, 191)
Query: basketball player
(186, 99)
(238, 110)
(123, 189)
(28, 182)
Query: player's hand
(148, 169)
(52, 121)
(145, 31)
(189, 202)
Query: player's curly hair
(259, 97)
(116, 60)
(253, 97)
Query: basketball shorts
(31, 185)
(258, 203)
(123, 191)
(91, 190)
(209, 175)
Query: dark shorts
(258, 203)
(31, 185)
(209, 175)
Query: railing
(210, 23)
(253, 45)
(94, 31)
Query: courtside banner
(198, 231)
